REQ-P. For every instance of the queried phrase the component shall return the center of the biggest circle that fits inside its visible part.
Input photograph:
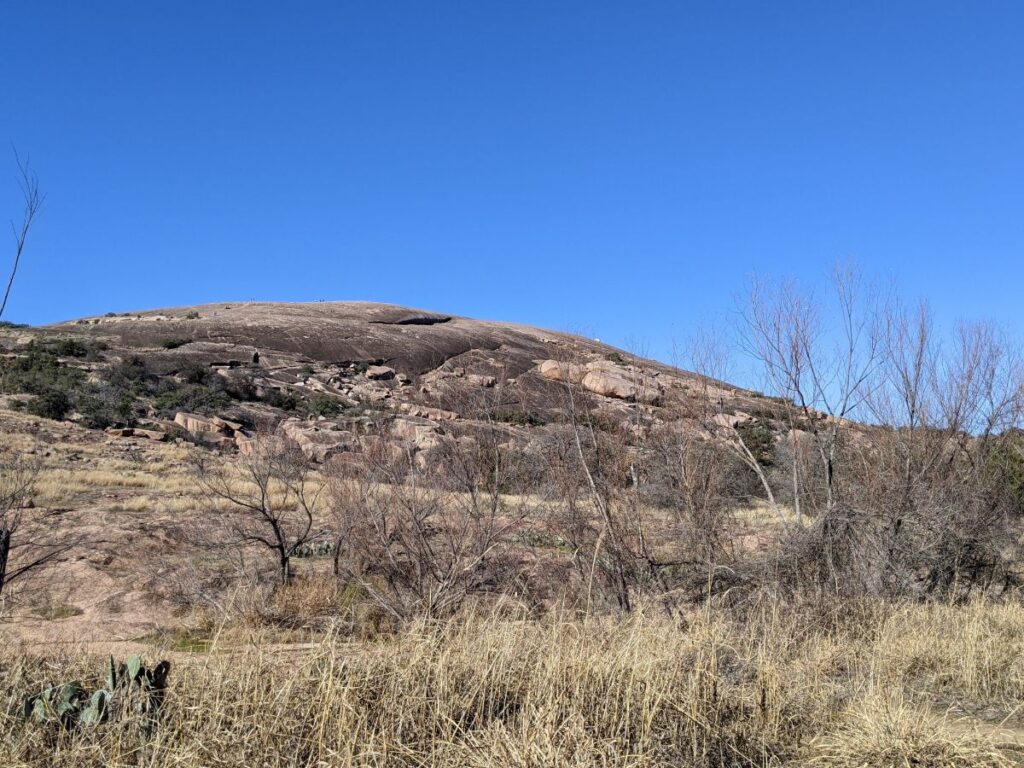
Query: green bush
(107, 406)
(758, 437)
(195, 398)
(38, 371)
(174, 343)
(68, 348)
(50, 404)
(324, 405)
(286, 401)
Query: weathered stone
(197, 424)
(316, 440)
(214, 440)
(246, 444)
(556, 370)
(156, 435)
(417, 431)
(621, 386)
(232, 426)
(480, 380)
(379, 372)
(426, 412)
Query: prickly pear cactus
(131, 690)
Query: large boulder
(417, 432)
(317, 441)
(380, 372)
(557, 370)
(610, 380)
(605, 378)
(199, 424)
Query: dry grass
(777, 688)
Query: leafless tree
(823, 367)
(268, 497)
(33, 203)
(422, 528)
(27, 542)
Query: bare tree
(269, 497)
(27, 542)
(708, 359)
(33, 203)
(822, 367)
(424, 527)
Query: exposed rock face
(372, 373)
(199, 424)
(426, 412)
(609, 380)
(318, 441)
(380, 372)
(605, 378)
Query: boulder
(380, 372)
(156, 435)
(417, 431)
(426, 412)
(318, 441)
(246, 444)
(605, 378)
(622, 385)
(556, 370)
(198, 424)
(480, 380)
(227, 426)
(213, 440)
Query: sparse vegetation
(770, 688)
(745, 584)
(175, 343)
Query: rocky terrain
(321, 373)
(114, 408)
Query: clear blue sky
(616, 168)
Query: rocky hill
(321, 373)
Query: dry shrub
(886, 730)
(777, 688)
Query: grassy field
(868, 684)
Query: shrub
(286, 401)
(240, 388)
(50, 404)
(195, 373)
(197, 398)
(192, 316)
(174, 343)
(759, 438)
(36, 372)
(106, 406)
(68, 348)
(325, 405)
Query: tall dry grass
(864, 686)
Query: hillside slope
(318, 371)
